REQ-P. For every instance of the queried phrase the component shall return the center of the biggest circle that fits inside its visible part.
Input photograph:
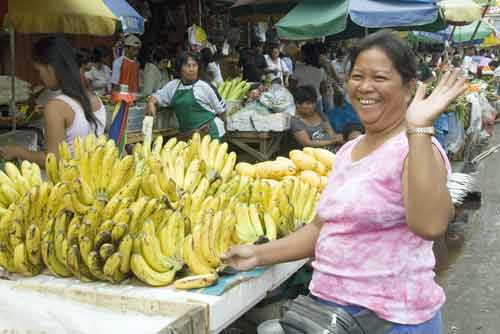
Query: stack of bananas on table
(311, 165)
(168, 208)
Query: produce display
(169, 210)
(234, 90)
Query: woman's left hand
(10, 152)
(423, 111)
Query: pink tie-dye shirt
(366, 255)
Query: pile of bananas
(311, 165)
(167, 208)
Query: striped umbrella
(118, 128)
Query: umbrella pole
(12, 108)
(480, 21)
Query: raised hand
(423, 111)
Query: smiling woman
(385, 201)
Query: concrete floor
(472, 279)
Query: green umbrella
(343, 19)
(464, 33)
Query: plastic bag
(476, 123)
(278, 99)
(488, 112)
(455, 139)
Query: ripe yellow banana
(51, 168)
(166, 235)
(33, 243)
(196, 282)
(226, 233)
(112, 267)
(227, 169)
(123, 168)
(125, 249)
(255, 219)
(76, 265)
(89, 142)
(152, 252)
(64, 151)
(194, 263)
(214, 232)
(204, 148)
(179, 172)
(206, 250)
(220, 157)
(21, 263)
(244, 228)
(192, 177)
(157, 146)
(10, 193)
(148, 275)
(271, 229)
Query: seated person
(343, 118)
(309, 127)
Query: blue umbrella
(132, 22)
(318, 18)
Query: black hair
(305, 93)
(206, 56)
(100, 53)
(83, 56)
(310, 54)
(182, 60)
(58, 53)
(397, 50)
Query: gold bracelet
(428, 131)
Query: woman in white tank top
(74, 113)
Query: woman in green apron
(196, 103)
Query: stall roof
(132, 22)
(318, 18)
(90, 17)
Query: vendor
(195, 103)
(309, 127)
(75, 112)
(155, 72)
(276, 68)
(126, 67)
(100, 74)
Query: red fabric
(129, 74)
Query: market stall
(145, 232)
(132, 307)
(258, 116)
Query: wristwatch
(427, 131)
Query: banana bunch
(302, 199)
(15, 183)
(252, 225)
(157, 251)
(21, 228)
(209, 239)
(219, 163)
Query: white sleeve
(205, 94)
(164, 95)
(115, 75)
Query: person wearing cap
(126, 67)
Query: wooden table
(265, 144)
(137, 136)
